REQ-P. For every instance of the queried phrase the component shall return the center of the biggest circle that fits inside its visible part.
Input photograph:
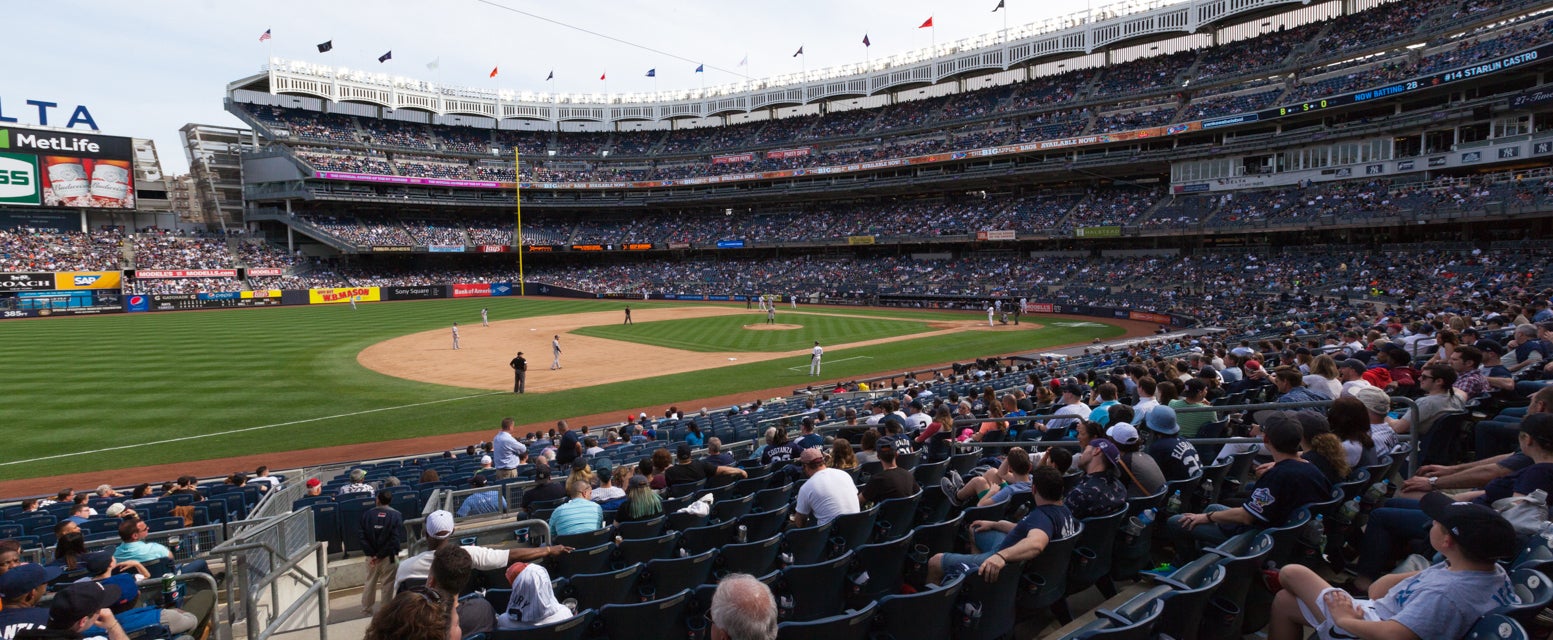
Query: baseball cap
(514, 570)
(1281, 427)
(1162, 419)
(638, 481)
(1122, 433)
(1374, 399)
(98, 562)
(1378, 377)
(26, 577)
(1312, 424)
(115, 509)
(683, 451)
(1253, 365)
(1489, 344)
(485, 459)
(1108, 448)
(81, 600)
(1539, 426)
(439, 525)
(1353, 363)
(1074, 388)
(811, 456)
(1480, 531)
(313, 482)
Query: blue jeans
(1528, 387)
(1189, 543)
(1398, 520)
(1496, 436)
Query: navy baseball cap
(1482, 533)
(25, 577)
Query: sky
(144, 69)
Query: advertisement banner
(46, 313)
(255, 273)
(503, 289)
(471, 290)
(1039, 307)
(391, 249)
(342, 295)
(637, 246)
(137, 304)
(433, 182)
(494, 248)
(679, 245)
(778, 154)
(730, 244)
(1148, 317)
(733, 157)
(1001, 234)
(542, 248)
(221, 295)
(593, 247)
(26, 282)
(156, 274)
(88, 280)
(860, 239)
(1098, 232)
(415, 293)
(445, 248)
(261, 293)
(66, 169)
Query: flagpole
(517, 203)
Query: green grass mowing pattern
(81, 384)
(727, 333)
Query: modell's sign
(155, 274)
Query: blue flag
(700, 68)
(652, 73)
(386, 57)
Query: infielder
(555, 353)
(990, 322)
(628, 315)
(793, 299)
(455, 336)
(814, 360)
(771, 314)
(519, 372)
(485, 319)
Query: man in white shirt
(1072, 405)
(828, 493)
(1351, 373)
(439, 527)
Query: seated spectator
(357, 484)
(808, 438)
(1400, 519)
(451, 569)
(20, 590)
(828, 493)
(742, 609)
(660, 461)
(578, 515)
(79, 608)
(262, 477)
(439, 528)
(1010, 478)
(1377, 404)
(418, 614)
(1290, 483)
(1350, 422)
(1497, 435)
(1100, 491)
(10, 555)
(1441, 601)
(315, 487)
(995, 544)
(481, 502)
(891, 482)
(716, 455)
(642, 503)
(688, 471)
(1322, 448)
(613, 494)
(133, 533)
(841, 455)
(194, 612)
(544, 490)
(1436, 381)
(868, 452)
(533, 600)
(694, 437)
(1143, 473)
(1176, 457)
(779, 449)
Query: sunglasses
(428, 594)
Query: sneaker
(959, 482)
(948, 486)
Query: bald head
(743, 609)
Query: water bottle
(169, 592)
(1147, 517)
(1174, 504)
(1349, 511)
(1313, 533)
(1321, 537)
(1377, 491)
(744, 534)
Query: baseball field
(114, 392)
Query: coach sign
(26, 282)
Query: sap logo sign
(18, 177)
(85, 281)
(80, 116)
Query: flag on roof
(493, 71)
(265, 35)
(603, 75)
(799, 52)
(1000, 6)
(434, 64)
(386, 56)
(550, 77)
(866, 43)
(928, 23)
(326, 46)
(652, 73)
(700, 68)
(746, 61)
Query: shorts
(1325, 629)
(955, 564)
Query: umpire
(519, 372)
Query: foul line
(804, 366)
(245, 429)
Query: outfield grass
(228, 382)
(727, 333)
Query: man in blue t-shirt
(570, 445)
(20, 590)
(1291, 483)
(1001, 542)
(1177, 458)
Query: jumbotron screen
(66, 169)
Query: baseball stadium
(1183, 319)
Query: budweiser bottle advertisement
(68, 185)
(110, 184)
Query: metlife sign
(19, 182)
(72, 144)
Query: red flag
(493, 71)
(601, 76)
(927, 24)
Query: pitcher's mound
(772, 327)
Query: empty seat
(661, 619)
(594, 590)
(815, 591)
(755, 558)
(629, 552)
(925, 614)
(678, 574)
(852, 625)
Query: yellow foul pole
(517, 202)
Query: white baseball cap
(439, 525)
(485, 459)
(1122, 433)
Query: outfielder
(353, 302)
(485, 319)
(814, 360)
(455, 336)
(555, 353)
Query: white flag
(745, 61)
(434, 64)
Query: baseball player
(519, 372)
(485, 318)
(990, 309)
(814, 359)
(353, 302)
(455, 336)
(793, 299)
(771, 314)
(628, 315)
(555, 353)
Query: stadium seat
(686, 489)
(590, 560)
(928, 474)
(773, 498)
(854, 529)
(661, 619)
(1242, 557)
(699, 539)
(925, 614)
(852, 625)
(678, 574)
(764, 524)
(584, 540)
(326, 525)
(883, 569)
(1044, 581)
(1111, 625)
(594, 590)
(633, 551)
(938, 537)
(896, 516)
(995, 600)
(574, 628)
(636, 529)
(1091, 557)
(1497, 627)
(350, 520)
(1130, 552)
(1191, 588)
(732, 508)
(755, 558)
(806, 545)
(1534, 591)
(683, 521)
(814, 591)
